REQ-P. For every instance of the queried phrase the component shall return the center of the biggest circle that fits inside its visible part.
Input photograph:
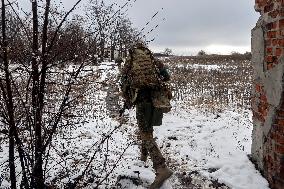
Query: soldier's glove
(121, 111)
(126, 105)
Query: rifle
(129, 103)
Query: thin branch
(60, 25)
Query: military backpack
(142, 73)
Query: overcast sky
(216, 26)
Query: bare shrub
(211, 82)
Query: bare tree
(24, 86)
(168, 51)
(201, 53)
(127, 35)
(8, 97)
(40, 95)
(99, 14)
(111, 28)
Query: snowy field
(212, 145)
(204, 149)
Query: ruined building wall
(268, 93)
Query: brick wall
(268, 93)
(273, 11)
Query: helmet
(137, 45)
(140, 45)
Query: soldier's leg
(153, 150)
(143, 152)
(142, 113)
(149, 145)
(162, 171)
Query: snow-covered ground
(214, 145)
(205, 150)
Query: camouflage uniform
(147, 117)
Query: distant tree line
(233, 53)
(104, 31)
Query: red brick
(263, 112)
(281, 42)
(263, 104)
(269, 59)
(256, 1)
(282, 171)
(268, 7)
(279, 138)
(269, 66)
(261, 3)
(278, 128)
(258, 116)
(279, 148)
(280, 113)
(269, 50)
(273, 14)
(278, 52)
(271, 34)
(268, 42)
(263, 98)
(252, 98)
(281, 12)
(281, 23)
(281, 159)
(275, 42)
(281, 33)
(278, 183)
(274, 59)
(280, 122)
(274, 26)
(272, 135)
(270, 26)
(258, 88)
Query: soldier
(146, 114)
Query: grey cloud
(192, 23)
(199, 23)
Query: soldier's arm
(124, 82)
(163, 70)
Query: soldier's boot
(162, 171)
(162, 174)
